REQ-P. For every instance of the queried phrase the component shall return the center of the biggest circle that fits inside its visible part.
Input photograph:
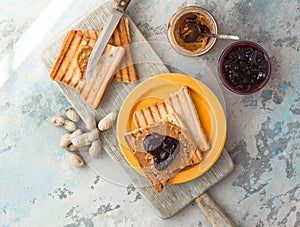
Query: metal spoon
(193, 31)
(220, 36)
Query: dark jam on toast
(163, 149)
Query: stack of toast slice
(70, 65)
(187, 117)
(178, 109)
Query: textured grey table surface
(39, 186)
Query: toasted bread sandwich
(179, 114)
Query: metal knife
(108, 29)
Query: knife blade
(108, 29)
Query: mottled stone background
(40, 187)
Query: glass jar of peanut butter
(185, 28)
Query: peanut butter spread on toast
(160, 161)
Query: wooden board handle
(214, 214)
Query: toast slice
(70, 66)
(162, 149)
(93, 92)
(171, 110)
(186, 110)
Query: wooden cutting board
(174, 197)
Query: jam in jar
(244, 67)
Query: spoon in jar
(220, 36)
(193, 32)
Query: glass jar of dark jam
(244, 67)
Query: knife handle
(122, 5)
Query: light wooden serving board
(174, 197)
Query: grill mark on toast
(68, 77)
(151, 114)
(130, 67)
(64, 67)
(154, 112)
(67, 42)
(124, 42)
(89, 34)
(139, 118)
(130, 75)
(163, 110)
(78, 73)
(148, 116)
(170, 104)
(159, 112)
(115, 40)
(93, 34)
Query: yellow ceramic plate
(210, 112)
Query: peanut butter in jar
(185, 28)
(188, 28)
